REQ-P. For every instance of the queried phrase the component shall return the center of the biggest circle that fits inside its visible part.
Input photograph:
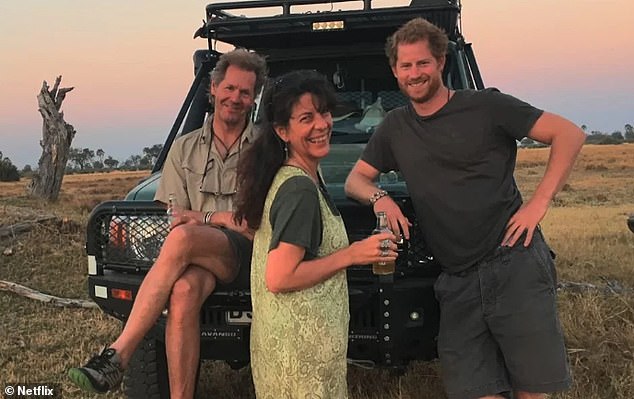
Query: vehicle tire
(630, 223)
(146, 376)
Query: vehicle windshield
(339, 162)
(357, 115)
(359, 112)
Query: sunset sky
(130, 64)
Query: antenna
(459, 27)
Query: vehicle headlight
(147, 235)
(137, 237)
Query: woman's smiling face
(308, 131)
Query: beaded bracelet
(377, 195)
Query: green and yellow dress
(299, 339)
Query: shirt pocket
(195, 175)
(217, 180)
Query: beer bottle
(381, 227)
(170, 208)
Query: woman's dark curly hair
(266, 155)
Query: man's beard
(433, 87)
(235, 118)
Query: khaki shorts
(499, 328)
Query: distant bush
(8, 171)
(601, 138)
(527, 142)
(26, 172)
(611, 140)
(617, 135)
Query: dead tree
(56, 138)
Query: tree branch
(12, 230)
(53, 300)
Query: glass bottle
(171, 201)
(381, 227)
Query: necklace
(224, 158)
(227, 148)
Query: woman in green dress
(299, 333)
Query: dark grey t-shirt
(295, 216)
(458, 164)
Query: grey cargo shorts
(499, 328)
(242, 249)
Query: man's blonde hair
(416, 30)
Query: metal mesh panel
(143, 236)
(132, 240)
(392, 99)
(358, 98)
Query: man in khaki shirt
(205, 246)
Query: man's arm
(360, 186)
(211, 218)
(226, 219)
(566, 140)
(173, 181)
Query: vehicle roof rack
(291, 29)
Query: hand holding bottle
(177, 215)
(387, 266)
(375, 248)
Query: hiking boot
(101, 374)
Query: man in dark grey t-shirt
(499, 328)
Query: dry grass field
(586, 226)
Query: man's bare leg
(185, 245)
(182, 335)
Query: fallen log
(611, 287)
(22, 227)
(53, 300)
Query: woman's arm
(287, 271)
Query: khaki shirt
(197, 175)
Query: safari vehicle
(393, 319)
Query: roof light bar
(328, 25)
